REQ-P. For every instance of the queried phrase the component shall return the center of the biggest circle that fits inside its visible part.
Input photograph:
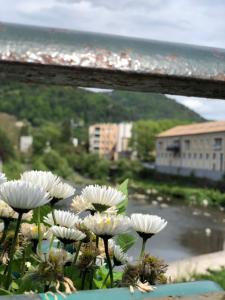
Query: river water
(190, 230)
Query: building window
(200, 155)
(189, 155)
(187, 144)
(160, 145)
(217, 143)
(214, 155)
(195, 155)
(207, 156)
(184, 155)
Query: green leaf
(100, 276)
(123, 187)
(5, 292)
(14, 285)
(125, 241)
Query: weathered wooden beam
(65, 57)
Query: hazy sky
(191, 21)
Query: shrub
(6, 147)
(54, 162)
(12, 169)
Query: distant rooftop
(194, 129)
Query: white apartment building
(124, 135)
(26, 143)
(197, 149)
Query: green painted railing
(191, 289)
(179, 289)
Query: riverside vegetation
(53, 151)
(45, 250)
(43, 110)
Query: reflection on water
(199, 242)
(189, 232)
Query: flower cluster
(90, 239)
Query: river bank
(185, 190)
(186, 195)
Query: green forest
(41, 103)
(53, 115)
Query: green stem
(5, 292)
(91, 279)
(51, 243)
(77, 253)
(107, 276)
(53, 216)
(144, 240)
(108, 260)
(12, 252)
(6, 226)
(23, 261)
(83, 279)
(39, 230)
(97, 241)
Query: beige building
(103, 138)
(110, 140)
(197, 149)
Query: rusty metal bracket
(65, 57)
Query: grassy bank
(189, 195)
(216, 276)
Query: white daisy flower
(1, 227)
(6, 212)
(119, 256)
(147, 225)
(102, 197)
(50, 183)
(61, 191)
(3, 178)
(62, 218)
(80, 204)
(45, 179)
(57, 255)
(106, 225)
(67, 235)
(113, 210)
(27, 216)
(30, 231)
(23, 196)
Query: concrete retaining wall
(213, 175)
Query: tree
(49, 132)
(144, 135)
(6, 147)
